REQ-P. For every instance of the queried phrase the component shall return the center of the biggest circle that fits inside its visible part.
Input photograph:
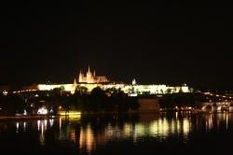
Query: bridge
(217, 106)
(216, 102)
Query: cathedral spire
(80, 78)
(75, 82)
(89, 70)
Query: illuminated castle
(91, 77)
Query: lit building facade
(126, 88)
(91, 81)
(90, 77)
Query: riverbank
(19, 117)
(83, 114)
(67, 114)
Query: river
(172, 133)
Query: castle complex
(91, 77)
(90, 81)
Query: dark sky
(159, 42)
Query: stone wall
(148, 105)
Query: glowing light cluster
(42, 111)
(127, 88)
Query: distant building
(90, 77)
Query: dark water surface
(174, 133)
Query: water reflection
(161, 127)
(87, 138)
(89, 133)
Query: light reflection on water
(89, 133)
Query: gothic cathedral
(90, 77)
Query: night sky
(155, 42)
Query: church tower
(89, 76)
(81, 76)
